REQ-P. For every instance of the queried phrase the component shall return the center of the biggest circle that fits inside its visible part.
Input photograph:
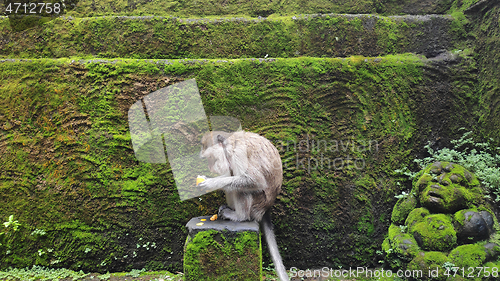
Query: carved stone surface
(445, 219)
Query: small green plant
(136, 272)
(268, 267)
(147, 245)
(104, 276)
(450, 266)
(12, 223)
(40, 273)
(38, 232)
(402, 195)
(403, 228)
(7, 235)
(405, 171)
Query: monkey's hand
(208, 185)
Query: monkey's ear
(220, 139)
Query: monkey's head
(212, 149)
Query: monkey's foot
(225, 212)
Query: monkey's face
(214, 153)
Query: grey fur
(251, 175)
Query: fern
(480, 158)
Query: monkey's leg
(241, 210)
(227, 213)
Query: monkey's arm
(234, 183)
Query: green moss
(461, 5)
(40, 273)
(416, 216)
(435, 233)
(426, 262)
(493, 266)
(254, 8)
(366, 225)
(403, 208)
(421, 180)
(386, 245)
(459, 216)
(211, 255)
(472, 255)
(487, 32)
(402, 243)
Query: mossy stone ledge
(157, 37)
(222, 250)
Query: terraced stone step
(151, 37)
(405, 58)
(190, 8)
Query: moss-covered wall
(169, 38)
(487, 53)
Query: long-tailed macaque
(251, 174)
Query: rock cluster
(443, 223)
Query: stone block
(222, 250)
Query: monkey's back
(264, 166)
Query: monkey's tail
(267, 227)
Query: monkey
(250, 174)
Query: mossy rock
(416, 216)
(473, 255)
(403, 207)
(428, 263)
(493, 268)
(402, 244)
(436, 233)
(390, 257)
(386, 245)
(473, 225)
